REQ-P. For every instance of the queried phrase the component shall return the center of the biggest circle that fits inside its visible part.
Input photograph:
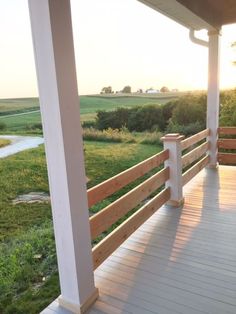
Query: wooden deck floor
(180, 260)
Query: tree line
(185, 115)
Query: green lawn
(29, 284)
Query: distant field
(17, 123)
(89, 106)
(11, 106)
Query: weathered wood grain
(120, 234)
(227, 158)
(110, 186)
(195, 154)
(110, 214)
(227, 131)
(194, 139)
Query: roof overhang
(200, 14)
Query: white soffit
(178, 13)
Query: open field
(16, 105)
(89, 106)
(29, 284)
(20, 122)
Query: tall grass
(122, 136)
(4, 142)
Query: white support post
(213, 95)
(172, 142)
(59, 101)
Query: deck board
(181, 260)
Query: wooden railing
(196, 158)
(104, 219)
(193, 153)
(224, 144)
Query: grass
(28, 284)
(89, 105)
(17, 105)
(122, 136)
(21, 122)
(4, 142)
(22, 173)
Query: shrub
(109, 135)
(89, 124)
(112, 119)
(140, 118)
(145, 118)
(153, 138)
(228, 109)
(189, 109)
(2, 126)
(167, 110)
(35, 126)
(187, 130)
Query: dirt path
(18, 144)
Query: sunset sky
(117, 43)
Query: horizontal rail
(188, 175)
(109, 244)
(195, 154)
(227, 143)
(227, 131)
(110, 214)
(110, 186)
(194, 139)
(227, 158)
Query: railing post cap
(172, 137)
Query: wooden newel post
(172, 142)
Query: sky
(117, 43)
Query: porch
(164, 259)
(180, 260)
(176, 260)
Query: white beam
(59, 101)
(213, 95)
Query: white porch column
(59, 101)
(172, 142)
(213, 95)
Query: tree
(107, 90)
(126, 89)
(165, 89)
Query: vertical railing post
(213, 94)
(172, 142)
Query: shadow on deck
(180, 260)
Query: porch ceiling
(201, 14)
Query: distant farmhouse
(152, 91)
